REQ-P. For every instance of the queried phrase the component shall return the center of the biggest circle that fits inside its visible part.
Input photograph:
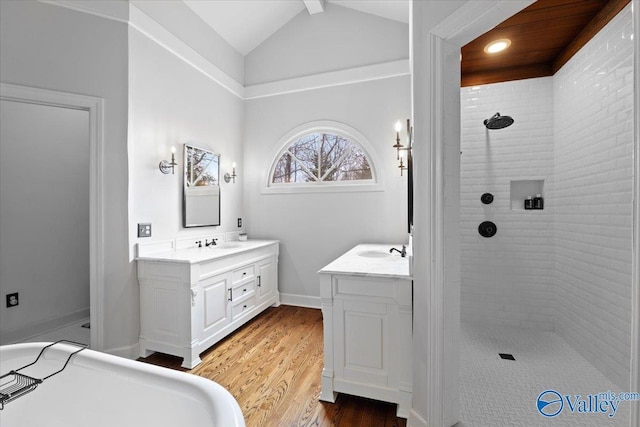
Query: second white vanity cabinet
(192, 298)
(367, 314)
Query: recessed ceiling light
(497, 45)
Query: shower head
(498, 122)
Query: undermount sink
(374, 254)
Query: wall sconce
(165, 166)
(401, 165)
(399, 147)
(233, 175)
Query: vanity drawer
(242, 290)
(243, 273)
(243, 307)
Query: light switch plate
(144, 230)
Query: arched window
(322, 156)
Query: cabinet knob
(244, 306)
(244, 290)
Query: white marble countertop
(196, 255)
(371, 260)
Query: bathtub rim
(213, 397)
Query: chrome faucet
(403, 252)
(199, 243)
(213, 242)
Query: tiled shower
(565, 268)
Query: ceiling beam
(314, 6)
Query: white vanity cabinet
(367, 314)
(192, 298)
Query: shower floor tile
(496, 392)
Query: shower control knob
(487, 229)
(486, 198)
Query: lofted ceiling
(246, 24)
(544, 36)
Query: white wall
(315, 228)
(60, 49)
(337, 39)
(170, 104)
(593, 109)
(44, 217)
(507, 279)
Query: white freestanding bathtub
(97, 389)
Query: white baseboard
(128, 352)
(416, 420)
(300, 300)
(39, 328)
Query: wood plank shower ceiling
(544, 36)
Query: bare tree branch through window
(322, 156)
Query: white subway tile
(568, 267)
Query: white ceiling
(245, 24)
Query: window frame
(347, 132)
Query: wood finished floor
(272, 366)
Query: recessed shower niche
(522, 189)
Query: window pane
(354, 167)
(288, 170)
(332, 148)
(305, 151)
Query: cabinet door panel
(267, 279)
(364, 340)
(215, 302)
(361, 341)
(165, 310)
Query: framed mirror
(201, 201)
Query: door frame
(95, 107)
(432, 122)
(635, 267)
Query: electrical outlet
(144, 230)
(239, 222)
(12, 300)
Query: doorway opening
(51, 221)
